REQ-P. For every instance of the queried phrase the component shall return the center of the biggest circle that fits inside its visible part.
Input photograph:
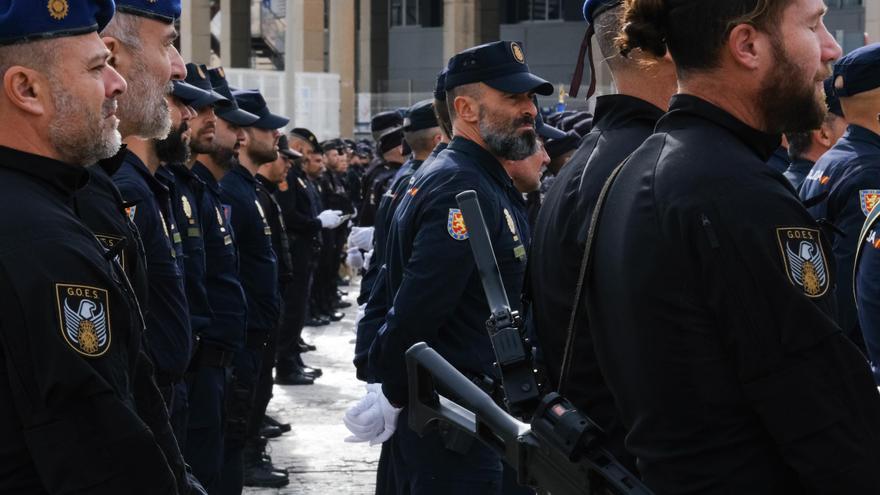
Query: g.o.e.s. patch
(804, 259)
(84, 314)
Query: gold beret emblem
(58, 9)
(517, 53)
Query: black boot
(259, 473)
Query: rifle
(560, 450)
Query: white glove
(355, 260)
(330, 219)
(362, 309)
(361, 237)
(373, 419)
(367, 258)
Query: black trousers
(295, 304)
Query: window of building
(533, 10)
(404, 12)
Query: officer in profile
(621, 123)
(388, 134)
(804, 148)
(849, 175)
(71, 330)
(710, 285)
(438, 297)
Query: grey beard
(80, 137)
(509, 146)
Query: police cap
(831, 99)
(384, 122)
(440, 86)
(420, 116)
(197, 75)
(569, 122)
(308, 136)
(559, 146)
(543, 129)
(166, 11)
(858, 71)
(232, 114)
(333, 144)
(285, 149)
(252, 101)
(500, 65)
(187, 93)
(583, 127)
(29, 20)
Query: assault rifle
(560, 450)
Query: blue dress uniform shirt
(68, 418)
(225, 295)
(186, 206)
(169, 335)
(867, 289)
(438, 296)
(259, 271)
(852, 167)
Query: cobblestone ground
(320, 463)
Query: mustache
(109, 107)
(524, 120)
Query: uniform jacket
(266, 195)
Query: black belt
(209, 355)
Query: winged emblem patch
(84, 313)
(804, 259)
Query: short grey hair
(126, 28)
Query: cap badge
(517, 53)
(58, 9)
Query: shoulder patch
(130, 211)
(804, 259)
(455, 225)
(109, 242)
(84, 314)
(868, 199)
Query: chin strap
(585, 51)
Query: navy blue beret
(232, 113)
(500, 65)
(569, 122)
(197, 75)
(31, 20)
(252, 101)
(584, 126)
(386, 121)
(308, 136)
(858, 71)
(420, 116)
(440, 86)
(166, 11)
(592, 8)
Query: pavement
(319, 461)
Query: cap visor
(211, 98)
(291, 153)
(188, 93)
(271, 121)
(521, 82)
(549, 132)
(238, 117)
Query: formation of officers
(164, 244)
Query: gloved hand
(361, 237)
(373, 419)
(367, 258)
(354, 259)
(330, 219)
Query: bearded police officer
(710, 289)
(430, 269)
(71, 332)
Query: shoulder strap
(568, 356)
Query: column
(195, 31)
(460, 26)
(303, 44)
(872, 21)
(342, 49)
(235, 36)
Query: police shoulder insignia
(58, 9)
(455, 225)
(517, 53)
(804, 259)
(84, 313)
(868, 199)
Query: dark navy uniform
(711, 304)
(300, 205)
(169, 335)
(439, 299)
(69, 347)
(621, 124)
(779, 160)
(867, 289)
(797, 172)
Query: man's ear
(466, 108)
(27, 89)
(117, 51)
(746, 46)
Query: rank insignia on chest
(511, 224)
(455, 225)
(804, 259)
(84, 314)
(868, 199)
(187, 208)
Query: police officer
(710, 286)
(301, 208)
(71, 332)
(334, 196)
(259, 279)
(211, 365)
(804, 148)
(438, 295)
(388, 133)
(622, 122)
(848, 175)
